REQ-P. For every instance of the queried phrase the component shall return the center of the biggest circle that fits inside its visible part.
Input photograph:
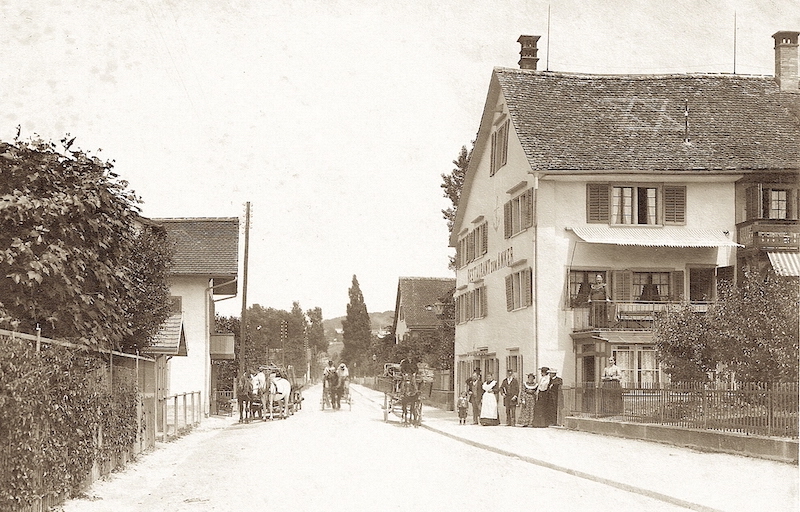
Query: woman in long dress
(489, 402)
(540, 410)
(528, 399)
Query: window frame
(499, 153)
(519, 289)
(669, 208)
(518, 214)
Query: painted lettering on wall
(484, 268)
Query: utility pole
(243, 320)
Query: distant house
(658, 186)
(205, 270)
(414, 311)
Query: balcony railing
(769, 234)
(625, 315)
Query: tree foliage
(74, 259)
(751, 333)
(316, 331)
(356, 328)
(275, 336)
(452, 184)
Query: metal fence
(769, 409)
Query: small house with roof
(593, 202)
(414, 312)
(204, 271)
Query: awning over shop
(625, 337)
(663, 236)
(785, 263)
(170, 339)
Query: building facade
(593, 202)
(415, 311)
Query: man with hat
(510, 391)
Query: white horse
(280, 390)
(260, 391)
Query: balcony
(222, 346)
(625, 315)
(769, 235)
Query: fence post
(185, 412)
(175, 414)
(164, 424)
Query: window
(471, 305)
(631, 204)
(628, 286)
(514, 363)
(764, 201)
(473, 245)
(499, 148)
(638, 364)
(518, 214)
(651, 286)
(519, 292)
(580, 282)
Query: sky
(334, 119)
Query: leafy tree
(751, 332)
(228, 370)
(275, 336)
(356, 328)
(73, 256)
(452, 184)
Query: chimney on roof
(786, 68)
(527, 53)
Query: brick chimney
(786, 69)
(527, 52)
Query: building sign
(479, 271)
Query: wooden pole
(243, 320)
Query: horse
(260, 390)
(409, 396)
(280, 391)
(333, 388)
(244, 394)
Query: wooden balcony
(769, 235)
(626, 315)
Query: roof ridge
(633, 76)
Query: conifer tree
(356, 328)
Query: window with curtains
(580, 282)
(623, 204)
(473, 245)
(656, 286)
(638, 364)
(651, 286)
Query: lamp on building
(437, 307)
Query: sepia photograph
(352, 255)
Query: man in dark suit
(475, 390)
(510, 391)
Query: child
(463, 403)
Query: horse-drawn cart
(403, 392)
(336, 389)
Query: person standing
(489, 415)
(556, 398)
(474, 384)
(598, 303)
(509, 389)
(463, 404)
(611, 388)
(542, 397)
(527, 397)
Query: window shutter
(527, 280)
(674, 205)
(504, 142)
(484, 238)
(528, 210)
(622, 285)
(677, 285)
(791, 204)
(507, 227)
(483, 302)
(596, 202)
(753, 202)
(492, 160)
(509, 294)
(458, 309)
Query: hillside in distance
(378, 321)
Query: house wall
(193, 372)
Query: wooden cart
(395, 387)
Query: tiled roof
(596, 123)
(414, 293)
(204, 246)
(170, 338)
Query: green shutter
(597, 202)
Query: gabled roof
(414, 293)
(204, 246)
(170, 339)
(577, 123)
(639, 122)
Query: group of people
(538, 399)
(335, 381)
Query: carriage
(403, 391)
(284, 393)
(342, 386)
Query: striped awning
(662, 236)
(785, 263)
